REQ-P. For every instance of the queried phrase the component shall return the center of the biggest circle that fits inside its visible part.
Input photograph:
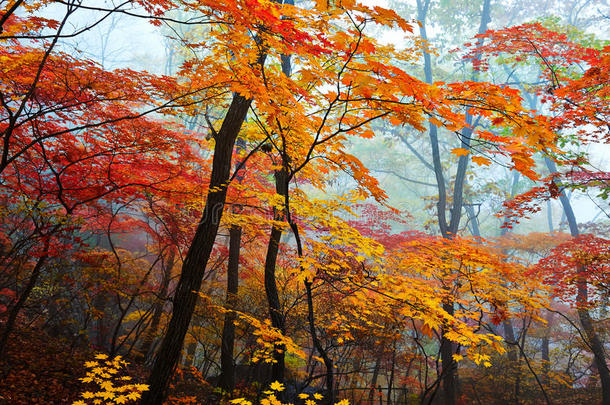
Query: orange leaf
(460, 151)
(481, 161)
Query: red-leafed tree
(75, 140)
(572, 86)
(579, 270)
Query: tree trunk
(545, 349)
(273, 300)
(227, 365)
(198, 254)
(391, 380)
(449, 371)
(449, 229)
(375, 376)
(328, 363)
(594, 341)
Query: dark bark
(273, 300)
(4, 18)
(449, 370)
(185, 297)
(594, 341)
(545, 349)
(227, 364)
(328, 363)
(509, 335)
(317, 344)
(375, 376)
(277, 319)
(391, 380)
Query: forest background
(399, 202)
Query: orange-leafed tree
(344, 81)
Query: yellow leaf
(133, 395)
(108, 395)
(121, 399)
(457, 357)
(107, 385)
(277, 386)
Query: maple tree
(578, 102)
(579, 114)
(133, 205)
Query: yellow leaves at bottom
(271, 399)
(111, 386)
(240, 401)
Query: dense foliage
(297, 209)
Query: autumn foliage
(223, 233)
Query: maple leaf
(481, 161)
(277, 386)
(460, 151)
(457, 357)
